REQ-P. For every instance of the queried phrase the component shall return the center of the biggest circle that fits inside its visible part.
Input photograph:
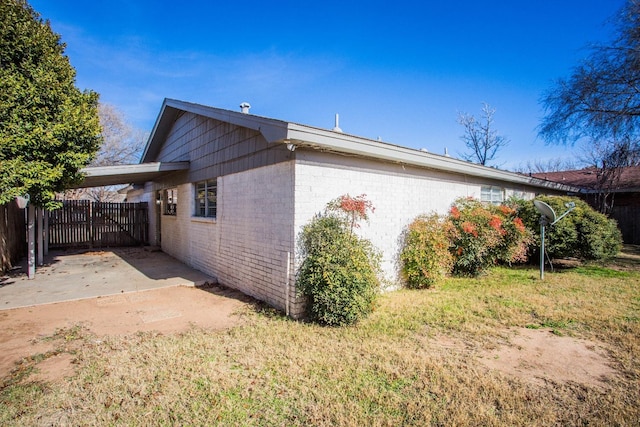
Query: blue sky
(401, 71)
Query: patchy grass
(387, 370)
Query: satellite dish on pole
(548, 217)
(545, 210)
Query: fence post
(91, 222)
(40, 234)
(31, 232)
(46, 232)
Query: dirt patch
(538, 355)
(25, 332)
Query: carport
(37, 227)
(75, 275)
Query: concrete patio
(79, 274)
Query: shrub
(486, 235)
(351, 209)
(339, 272)
(425, 256)
(584, 233)
(516, 238)
(473, 237)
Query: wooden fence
(13, 240)
(82, 223)
(627, 217)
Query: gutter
(320, 139)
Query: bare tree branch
(480, 137)
(122, 144)
(601, 98)
(552, 165)
(600, 104)
(609, 159)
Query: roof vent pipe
(337, 126)
(244, 107)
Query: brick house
(229, 192)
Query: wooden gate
(82, 223)
(13, 244)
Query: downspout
(287, 285)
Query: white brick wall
(398, 194)
(255, 219)
(249, 246)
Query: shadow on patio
(79, 274)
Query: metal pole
(542, 249)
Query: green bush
(470, 239)
(425, 256)
(339, 272)
(584, 233)
(485, 235)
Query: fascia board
(125, 174)
(157, 131)
(343, 143)
(138, 168)
(272, 130)
(611, 190)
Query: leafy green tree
(49, 129)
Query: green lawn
(391, 369)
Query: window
(171, 201)
(491, 194)
(206, 198)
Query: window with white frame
(206, 198)
(171, 201)
(492, 194)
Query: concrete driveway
(74, 275)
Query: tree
(480, 137)
(121, 144)
(550, 165)
(49, 129)
(600, 105)
(600, 100)
(609, 159)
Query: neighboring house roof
(587, 179)
(282, 132)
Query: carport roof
(98, 176)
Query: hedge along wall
(13, 243)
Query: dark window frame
(206, 199)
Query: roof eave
(98, 176)
(343, 143)
(272, 130)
